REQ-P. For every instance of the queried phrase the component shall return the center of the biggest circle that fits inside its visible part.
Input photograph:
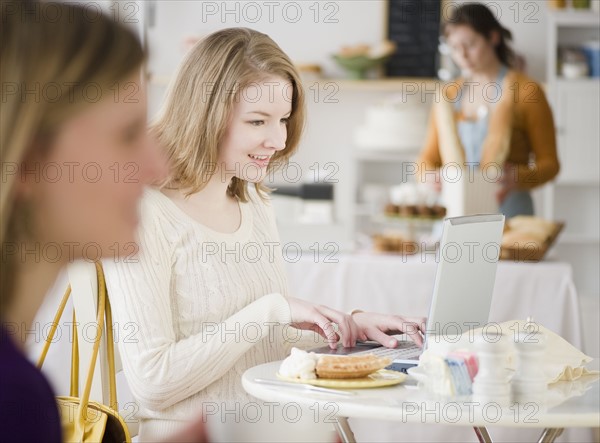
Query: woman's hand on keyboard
(322, 320)
(377, 327)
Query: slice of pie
(349, 366)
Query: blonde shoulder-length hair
(201, 98)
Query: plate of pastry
(339, 371)
(528, 238)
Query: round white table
(569, 404)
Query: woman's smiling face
(257, 129)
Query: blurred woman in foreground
(75, 157)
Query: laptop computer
(462, 293)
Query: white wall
(310, 31)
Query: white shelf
(405, 221)
(578, 239)
(575, 18)
(571, 182)
(575, 195)
(363, 210)
(585, 81)
(384, 84)
(396, 156)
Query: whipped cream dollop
(300, 364)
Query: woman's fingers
(420, 322)
(380, 327)
(316, 328)
(414, 333)
(381, 337)
(349, 330)
(306, 316)
(320, 319)
(328, 329)
(413, 327)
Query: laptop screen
(466, 273)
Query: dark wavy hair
(483, 21)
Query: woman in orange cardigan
(494, 117)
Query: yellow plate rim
(353, 383)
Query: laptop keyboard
(405, 349)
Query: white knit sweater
(197, 308)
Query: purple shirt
(28, 410)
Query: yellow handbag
(83, 420)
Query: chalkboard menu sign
(414, 25)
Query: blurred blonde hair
(47, 47)
(200, 101)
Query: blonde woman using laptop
(209, 292)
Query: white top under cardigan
(196, 308)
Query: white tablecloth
(404, 285)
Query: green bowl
(358, 66)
